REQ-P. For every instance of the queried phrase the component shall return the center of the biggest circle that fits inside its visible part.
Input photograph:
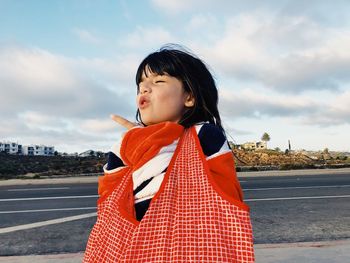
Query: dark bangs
(159, 63)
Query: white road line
(296, 187)
(48, 210)
(45, 223)
(297, 198)
(48, 198)
(37, 189)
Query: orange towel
(139, 145)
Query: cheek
(171, 97)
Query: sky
(281, 67)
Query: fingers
(122, 121)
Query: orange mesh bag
(188, 220)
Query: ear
(189, 102)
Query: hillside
(16, 166)
(270, 159)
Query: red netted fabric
(189, 219)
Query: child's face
(161, 98)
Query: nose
(144, 88)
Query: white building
(38, 150)
(15, 148)
(88, 153)
(254, 145)
(10, 148)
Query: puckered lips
(143, 102)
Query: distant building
(88, 153)
(36, 150)
(10, 147)
(254, 145)
(15, 148)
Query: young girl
(170, 191)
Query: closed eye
(160, 81)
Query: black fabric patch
(141, 208)
(113, 161)
(211, 138)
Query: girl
(170, 191)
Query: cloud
(289, 54)
(173, 7)
(149, 37)
(299, 109)
(33, 120)
(336, 112)
(63, 133)
(200, 21)
(323, 11)
(275, 61)
(99, 125)
(37, 80)
(63, 101)
(86, 36)
(180, 7)
(249, 103)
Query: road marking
(48, 210)
(45, 223)
(297, 198)
(49, 198)
(296, 187)
(37, 189)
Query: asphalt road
(299, 208)
(57, 218)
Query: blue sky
(281, 67)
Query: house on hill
(251, 146)
(15, 148)
(10, 148)
(88, 153)
(37, 150)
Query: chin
(147, 122)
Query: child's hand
(123, 122)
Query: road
(299, 208)
(57, 218)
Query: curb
(311, 244)
(63, 180)
(53, 258)
(319, 252)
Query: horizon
(98, 150)
(281, 67)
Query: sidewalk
(306, 252)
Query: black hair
(196, 78)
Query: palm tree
(265, 138)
